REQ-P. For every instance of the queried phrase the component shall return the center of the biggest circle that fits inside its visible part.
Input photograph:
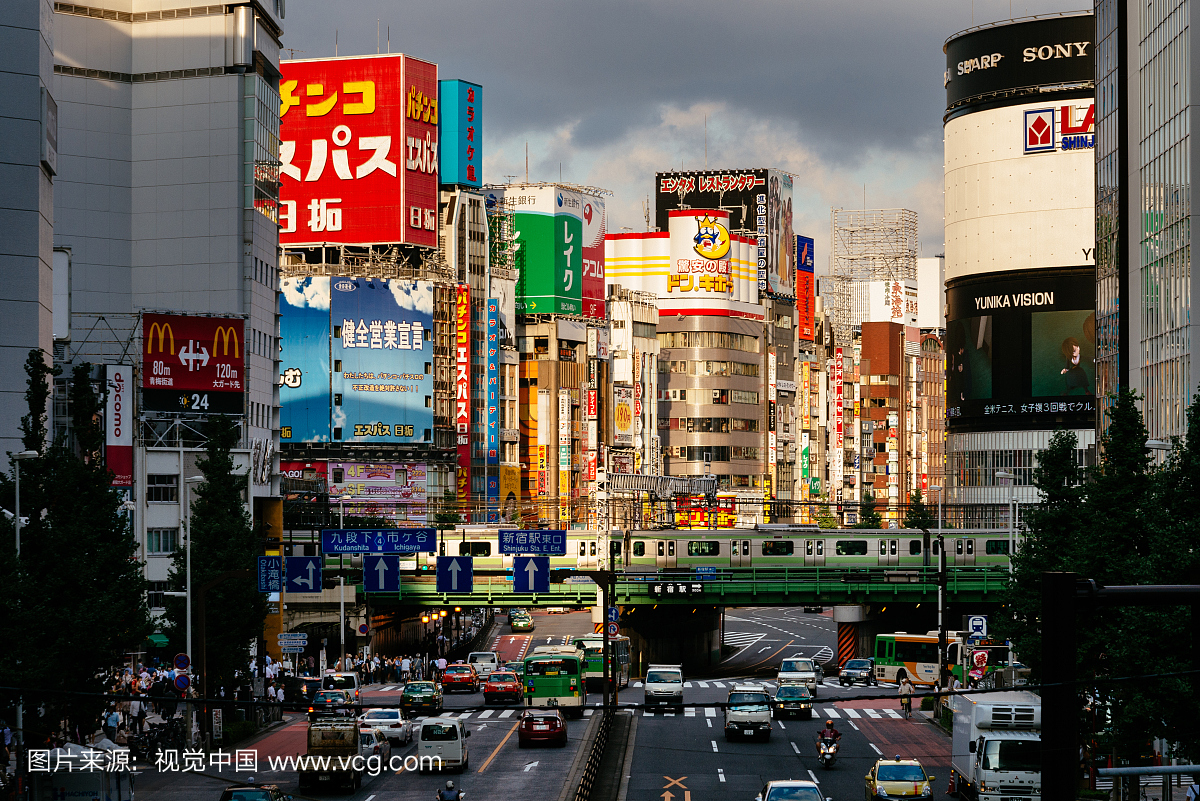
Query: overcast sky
(841, 93)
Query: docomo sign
(359, 142)
(118, 412)
(192, 353)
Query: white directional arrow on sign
(454, 568)
(309, 581)
(381, 570)
(530, 571)
(190, 356)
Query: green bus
(593, 667)
(555, 680)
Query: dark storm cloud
(844, 76)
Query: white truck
(996, 748)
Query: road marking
(872, 713)
(720, 775)
(646, 713)
(637, 684)
(853, 726)
(484, 766)
(587, 712)
(781, 650)
(372, 795)
(850, 713)
(463, 716)
(795, 748)
(506, 713)
(687, 684)
(768, 648)
(780, 722)
(714, 744)
(675, 782)
(876, 749)
(814, 777)
(832, 713)
(703, 684)
(530, 766)
(668, 714)
(487, 713)
(709, 722)
(689, 711)
(718, 684)
(710, 712)
(892, 713)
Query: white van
(664, 686)
(800, 670)
(484, 661)
(343, 681)
(442, 739)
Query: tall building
(1144, 280)
(1021, 338)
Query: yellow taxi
(898, 778)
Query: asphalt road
(764, 636)
(498, 768)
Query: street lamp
(941, 593)
(186, 517)
(17, 459)
(1012, 494)
(1158, 445)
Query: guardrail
(591, 771)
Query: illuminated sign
(192, 364)
(462, 392)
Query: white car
(371, 742)
(390, 722)
(484, 661)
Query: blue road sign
(270, 573)
(288, 650)
(378, 540)
(614, 614)
(978, 624)
(182, 661)
(531, 574)
(552, 542)
(182, 682)
(381, 573)
(706, 572)
(454, 573)
(303, 574)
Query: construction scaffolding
(868, 245)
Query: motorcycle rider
(449, 794)
(829, 732)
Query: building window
(162, 540)
(162, 489)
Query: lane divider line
(814, 777)
(795, 748)
(714, 745)
(720, 775)
(876, 749)
(484, 766)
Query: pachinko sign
(358, 151)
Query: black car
(792, 701)
(254, 792)
(856, 670)
(329, 702)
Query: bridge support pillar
(855, 632)
(673, 635)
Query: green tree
(222, 541)
(82, 595)
(867, 516)
(825, 518)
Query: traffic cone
(953, 788)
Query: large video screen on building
(1021, 350)
(304, 359)
(382, 354)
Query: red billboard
(193, 364)
(359, 151)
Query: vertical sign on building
(461, 139)
(839, 438)
(805, 285)
(118, 424)
(772, 436)
(564, 452)
(595, 226)
(462, 394)
(543, 433)
(591, 401)
(493, 409)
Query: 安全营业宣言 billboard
(358, 151)
(1021, 349)
(382, 360)
(304, 376)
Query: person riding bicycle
(906, 691)
(829, 732)
(449, 794)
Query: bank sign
(1065, 127)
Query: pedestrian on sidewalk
(111, 721)
(405, 668)
(1193, 792)
(137, 714)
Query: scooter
(827, 751)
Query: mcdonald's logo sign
(163, 330)
(226, 334)
(194, 355)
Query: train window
(936, 548)
(970, 546)
(745, 547)
(914, 547)
(660, 549)
(582, 548)
(958, 547)
(820, 547)
(883, 547)
(614, 549)
(893, 552)
(781, 547)
(704, 548)
(808, 549)
(442, 548)
(851, 547)
(995, 547)
(593, 549)
(639, 548)
(474, 548)
(671, 548)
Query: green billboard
(548, 225)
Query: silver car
(791, 790)
(391, 723)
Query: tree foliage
(1125, 521)
(918, 515)
(78, 597)
(222, 541)
(867, 516)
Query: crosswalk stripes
(833, 713)
(487, 713)
(637, 684)
(703, 684)
(891, 713)
(872, 713)
(850, 713)
(742, 639)
(689, 712)
(710, 712)
(505, 713)
(687, 684)
(588, 712)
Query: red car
(460, 676)
(542, 726)
(502, 685)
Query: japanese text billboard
(759, 205)
(461, 107)
(193, 364)
(805, 289)
(393, 491)
(493, 385)
(462, 391)
(623, 416)
(595, 226)
(118, 423)
(359, 151)
(304, 359)
(382, 360)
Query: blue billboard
(493, 383)
(460, 153)
(304, 359)
(382, 354)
